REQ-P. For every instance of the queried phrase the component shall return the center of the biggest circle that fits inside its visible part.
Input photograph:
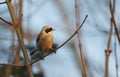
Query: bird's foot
(52, 50)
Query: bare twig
(10, 7)
(13, 65)
(110, 36)
(116, 58)
(2, 2)
(17, 28)
(116, 61)
(9, 23)
(20, 38)
(79, 42)
(108, 51)
(113, 21)
(63, 43)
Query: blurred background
(60, 14)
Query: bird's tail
(33, 51)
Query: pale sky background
(94, 35)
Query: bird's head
(48, 29)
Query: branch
(108, 51)
(116, 60)
(13, 65)
(19, 35)
(7, 22)
(113, 20)
(63, 43)
(82, 60)
(2, 2)
(11, 10)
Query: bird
(44, 40)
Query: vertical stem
(116, 60)
(107, 62)
(78, 34)
(17, 27)
(108, 51)
(14, 19)
(113, 20)
(110, 36)
(19, 35)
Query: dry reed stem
(79, 42)
(113, 21)
(17, 28)
(116, 61)
(13, 65)
(20, 38)
(108, 51)
(9, 23)
(107, 62)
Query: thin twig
(116, 58)
(108, 51)
(10, 7)
(13, 65)
(115, 50)
(7, 22)
(63, 43)
(2, 2)
(20, 38)
(114, 22)
(17, 28)
(110, 36)
(79, 42)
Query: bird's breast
(45, 43)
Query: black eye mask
(48, 30)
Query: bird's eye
(48, 30)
